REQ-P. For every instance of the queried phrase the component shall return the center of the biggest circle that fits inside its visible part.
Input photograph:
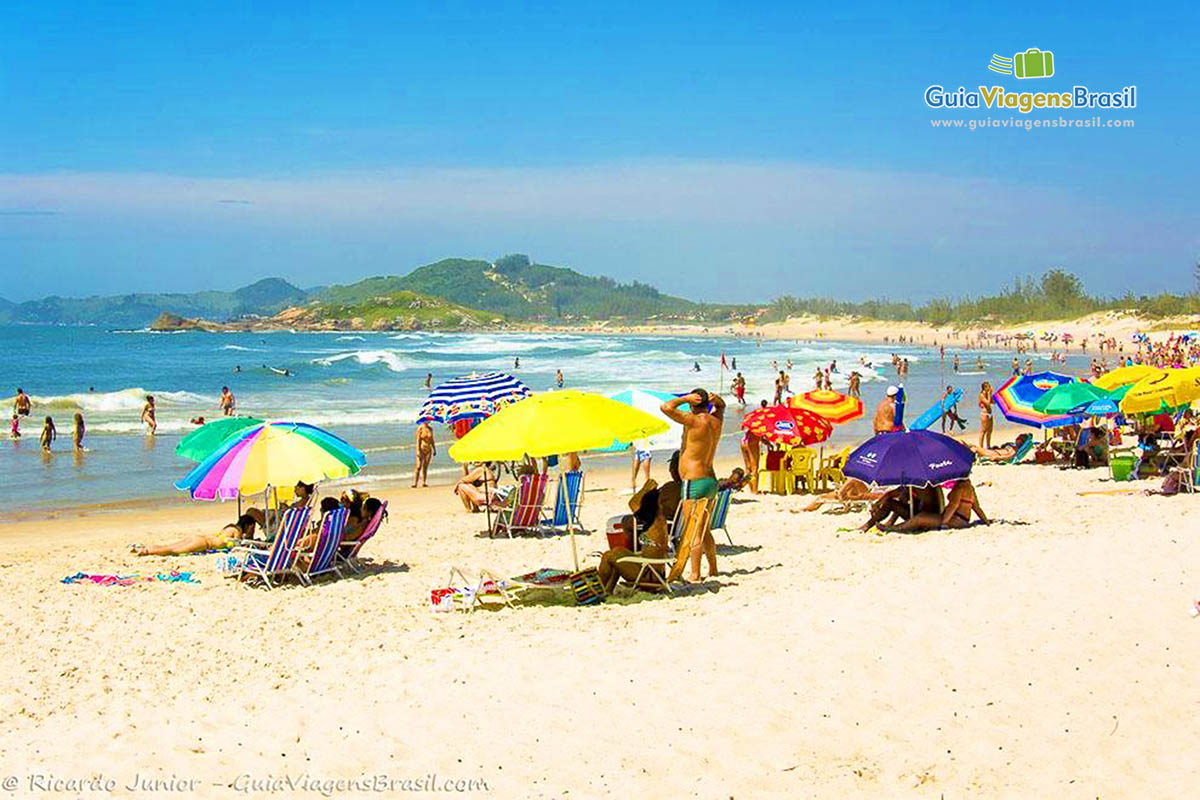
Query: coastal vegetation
(1057, 295)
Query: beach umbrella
(833, 406)
(271, 455)
(1065, 397)
(1102, 407)
(1125, 376)
(909, 458)
(200, 443)
(471, 397)
(789, 427)
(552, 423)
(651, 401)
(1017, 396)
(1168, 389)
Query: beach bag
(587, 587)
(441, 600)
(1170, 484)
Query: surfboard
(935, 412)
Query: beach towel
(174, 576)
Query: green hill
(518, 289)
(395, 310)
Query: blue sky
(718, 150)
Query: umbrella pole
(487, 501)
(562, 478)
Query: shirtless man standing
(701, 433)
(227, 401)
(21, 404)
(426, 450)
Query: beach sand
(1047, 655)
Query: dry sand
(1048, 658)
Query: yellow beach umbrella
(1125, 376)
(834, 406)
(552, 423)
(1171, 388)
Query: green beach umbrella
(1065, 397)
(204, 441)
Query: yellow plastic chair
(830, 472)
(770, 481)
(801, 469)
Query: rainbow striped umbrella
(273, 454)
(1017, 396)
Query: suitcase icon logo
(1033, 63)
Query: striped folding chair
(524, 511)
(721, 513)
(323, 557)
(348, 551)
(278, 561)
(568, 495)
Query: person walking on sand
(985, 416)
(426, 450)
(227, 401)
(49, 434)
(701, 434)
(21, 403)
(80, 430)
(148, 415)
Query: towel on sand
(174, 576)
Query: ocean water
(365, 387)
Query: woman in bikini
(961, 504)
(229, 535)
(985, 416)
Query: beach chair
(770, 472)
(830, 471)
(801, 469)
(524, 509)
(1022, 451)
(277, 562)
(660, 573)
(570, 490)
(323, 557)
(1189, 472)
(721, 513)
(347, 554)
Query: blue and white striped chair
(278, 561)
(721, 513)
(323, 557)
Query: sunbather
(370, 508)
(477, 488)
(903, 503)
(651, 526)
(852, 490)
(961, 504)
(1004, 452)
(229, 535)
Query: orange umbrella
(790, 427)
(833, 406)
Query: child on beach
(15, 429)
(49, 434)
(80, 429)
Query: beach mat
(129, 580)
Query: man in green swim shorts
(701, 433)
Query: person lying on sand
(852, 490)
(902, 503)
(1002, 453)
(961, 504)
(227, 536)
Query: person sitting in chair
(477, 488)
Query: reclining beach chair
(524, 509)
(660, 573)
(1189, 472)
(568, 497)
(277, 562)
(721, 513)
(323, 558)
(347, 554)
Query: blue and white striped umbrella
(473, 397)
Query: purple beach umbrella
(909, 458)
